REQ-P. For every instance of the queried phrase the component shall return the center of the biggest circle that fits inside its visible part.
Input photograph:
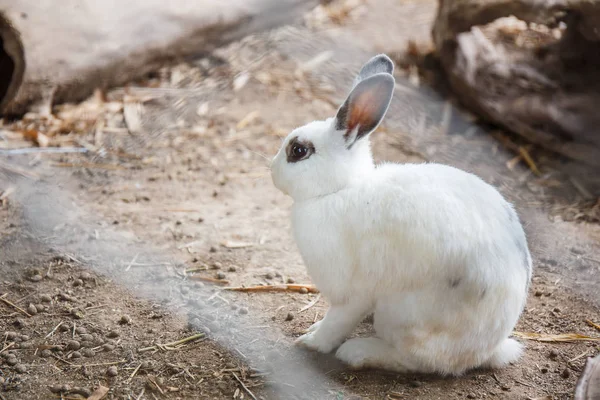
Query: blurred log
(66, 49)
(539, 81)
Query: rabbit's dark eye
(297, 150)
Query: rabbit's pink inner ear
(366, 107)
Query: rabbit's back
(412, 225)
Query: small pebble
(87, 337)
(471, 396)
(40, 308)
(64, 327)
(232, 269)
(75, 354)
(506, 388)
(76, 313)
(35, 278)
(125, 319)
(73, 345)
(303, 290)
(20, 368)
(77, 283)
(553, 354)
(66, 297)
(81, 330)
(220, 275)
(1, 380)
(415, 384)
(20, 323)
(556, 309)
(243, 310)
(538, 293)
(566, 373)
(291, 280)
(46, 353)
(112, 334)
(112, 371)
(88, 344)
(544, 370)
(269, 275)
(88, 353)
(12, 361)
(45, 298)
(213, 249)
(217, 265)
(289, 317)
(108, 347)
(10, 335)
(24, 338)
(86, 276)
(55, 388)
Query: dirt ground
(107, 256)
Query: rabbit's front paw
(313, 327)
(314, 341)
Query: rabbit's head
(324, 157)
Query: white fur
(435, 252)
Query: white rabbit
(434, 252)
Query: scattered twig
(37, 150)
(579, 356)
(139, 397)
(134, 372)
(591, 259)
(171, 346)
(8, 302)
(8, 346)
(311, 304)
(211, 280)
(196, 269)
(88, 165)
(524, 383)
(580, 188)
(232, 244)
(132, 261)
(95, 307)
(18, 171)
(527, 158)
(53, 330)
(563, 337)
(275, 288)
(156, 385)
(63, 360)
(244, 386)
(592, 324)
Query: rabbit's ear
(376, 65)
(365, 107)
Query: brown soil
(113, 241)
